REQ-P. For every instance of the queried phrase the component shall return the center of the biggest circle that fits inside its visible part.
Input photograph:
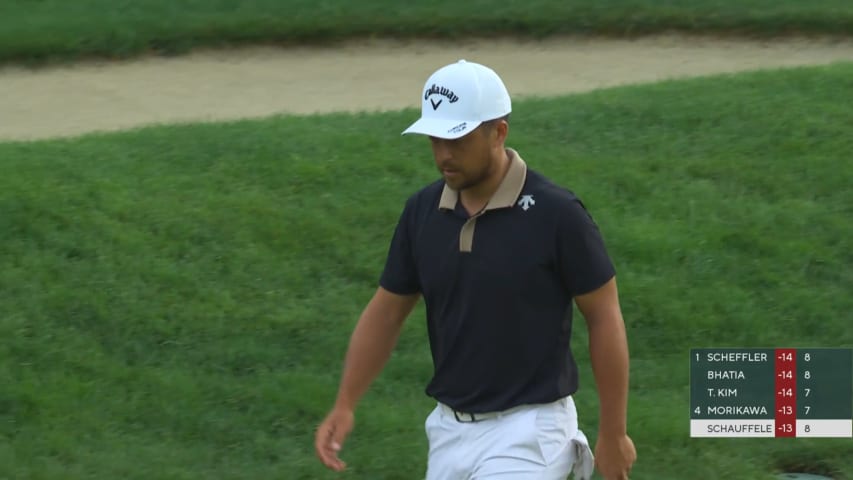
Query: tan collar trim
(511, 185)
(448, 198)
(507, 192)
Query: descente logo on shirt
(443, 91)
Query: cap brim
(442, 128)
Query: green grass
(59, 29)
(175, 302)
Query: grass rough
(175, 301)
(59, 30)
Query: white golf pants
(531, 442)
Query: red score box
(786, 392)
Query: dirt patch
(378, 75)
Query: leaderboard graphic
(771, 392)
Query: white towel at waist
(584, 459)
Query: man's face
(466, 161)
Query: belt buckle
(462, 420)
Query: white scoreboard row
(767, 428)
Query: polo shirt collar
(507, 192)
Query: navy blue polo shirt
(498, 287)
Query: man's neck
(476, 198)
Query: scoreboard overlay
(771, 392)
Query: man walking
(499, 254)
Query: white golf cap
(458, 97)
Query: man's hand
(331, 435)
(614, 456)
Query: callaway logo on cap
(459, 97)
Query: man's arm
(608, 348)
(370, 346)
(371, 343)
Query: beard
(460, 180)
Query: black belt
(465, 417)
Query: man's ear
(501, 130)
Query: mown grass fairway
(59, 29)
(175, 302)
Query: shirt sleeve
(400, 274)
(584, 263)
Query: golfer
(499, 255)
